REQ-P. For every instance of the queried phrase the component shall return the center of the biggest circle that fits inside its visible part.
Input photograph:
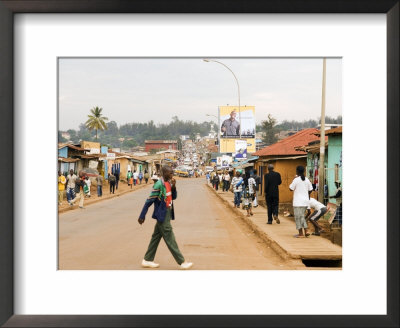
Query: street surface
(107, 236)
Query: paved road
(106, 235)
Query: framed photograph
(52, 50)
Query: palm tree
(96, 121)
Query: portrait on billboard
(237, 123)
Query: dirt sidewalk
(123, 188)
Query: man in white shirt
(319, 210)
(71, 177)
(135, 177)
(227, 178)
(237, 183)
(301, 188)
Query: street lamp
(237, 82)
(218, 134)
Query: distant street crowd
(78, 187)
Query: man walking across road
(162, 196)
(71, 177)
(272, 180)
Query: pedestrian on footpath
(227, 179)
(116, 179)
(257, 179)
(99, 182)
(212, 174)
(162, 196)
(216, 181)
(87, 188)
(237, 183)
(71, 177)
(252, 185)
(79, 193)
(129, 178)
(272, 181)
(302, 189)
(61, 187)
(135, 177)
(208, 177)
(319, 210)
(248, 201)
(111, 181)
(146, 176)
(140, 176)
(221, 180)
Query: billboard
(224, 161)
(237, 126)
(240, 148)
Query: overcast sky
(138, 90)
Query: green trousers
(164, 230)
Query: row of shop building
(89, 155)
(302, 148)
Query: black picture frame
(7, 10)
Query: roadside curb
(67, 209)
(264, 236)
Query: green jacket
(158, 196)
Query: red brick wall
(166, 146)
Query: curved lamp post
(218, 133)
(237, 82)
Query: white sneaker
(148, 264)
(186, 265)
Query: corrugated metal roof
(72, 146)
(337, 130)
(287, 146)
(160, 141)
(68, 160)
(281, 158)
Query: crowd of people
(78, 187)
(245, 188)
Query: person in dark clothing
(162, 196)
(338, 196)
(272, 180)
(116, 179)
(111, 181)
(216, 181)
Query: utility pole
(321, 170)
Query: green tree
(269, 130)
(61, 138)
(96, 121)
(73, 136)
(129, 143)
